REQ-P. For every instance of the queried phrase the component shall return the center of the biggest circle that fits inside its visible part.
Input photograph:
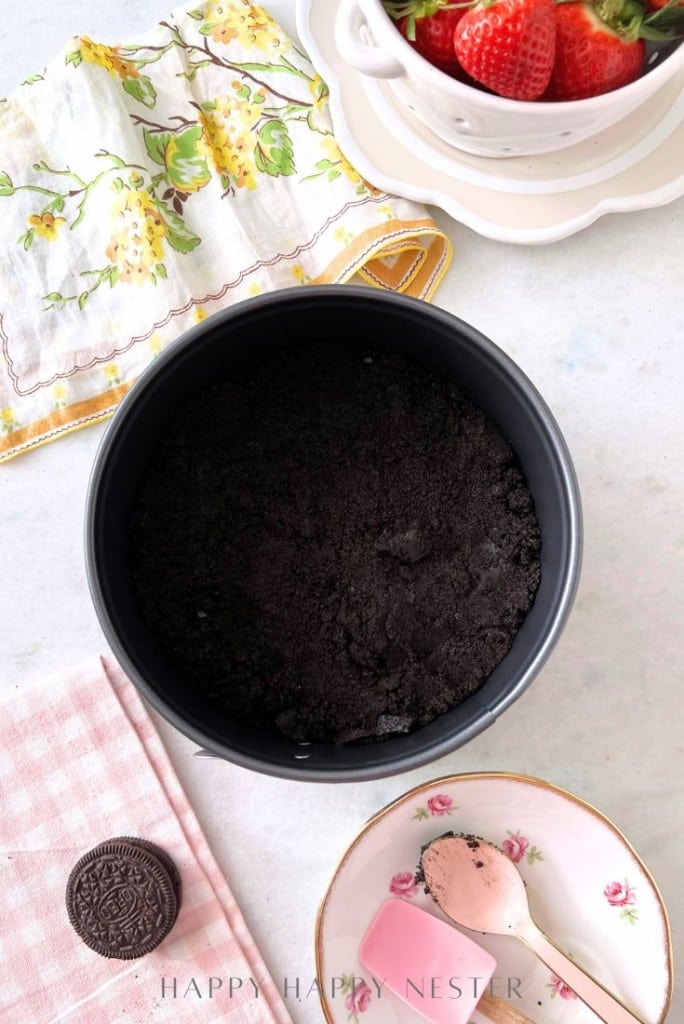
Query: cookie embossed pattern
(123, 898)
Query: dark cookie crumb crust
(334, 544)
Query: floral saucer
(588, 891)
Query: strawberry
(429, 27)
(592, 57)
(600, 45)
(658, 5)
(508, 46)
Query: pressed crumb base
(334, 544)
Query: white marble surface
(597, 321)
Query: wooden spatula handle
(501, 1012)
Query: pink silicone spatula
(440, 973)
(475, 884)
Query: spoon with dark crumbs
(476, 885)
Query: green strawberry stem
(670, 15)
(412, 9)
(624, 16)
(418, 8)
(630, 19)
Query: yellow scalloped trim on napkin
(146, 186)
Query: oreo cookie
(123, 897)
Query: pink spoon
(475, 884)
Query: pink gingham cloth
(80, 762)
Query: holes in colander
(564, 135)
(660, 51)
(462, 125)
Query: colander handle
(362, 55)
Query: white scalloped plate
(634, 165)
(587, 887)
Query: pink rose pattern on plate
(403, 884)
(622, 894)
(559, 988)
(437, 807)
(358, 995)
(518, 848)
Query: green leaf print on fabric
(274, 152)
(141, 89)
(186, 166)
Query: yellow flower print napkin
(145, 186)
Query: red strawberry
(600, 45)
(591, 56)
(657, 5)
(509, 46)
(429, 27)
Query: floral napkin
(145, 186)
(81, 762)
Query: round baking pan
(422, 333)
